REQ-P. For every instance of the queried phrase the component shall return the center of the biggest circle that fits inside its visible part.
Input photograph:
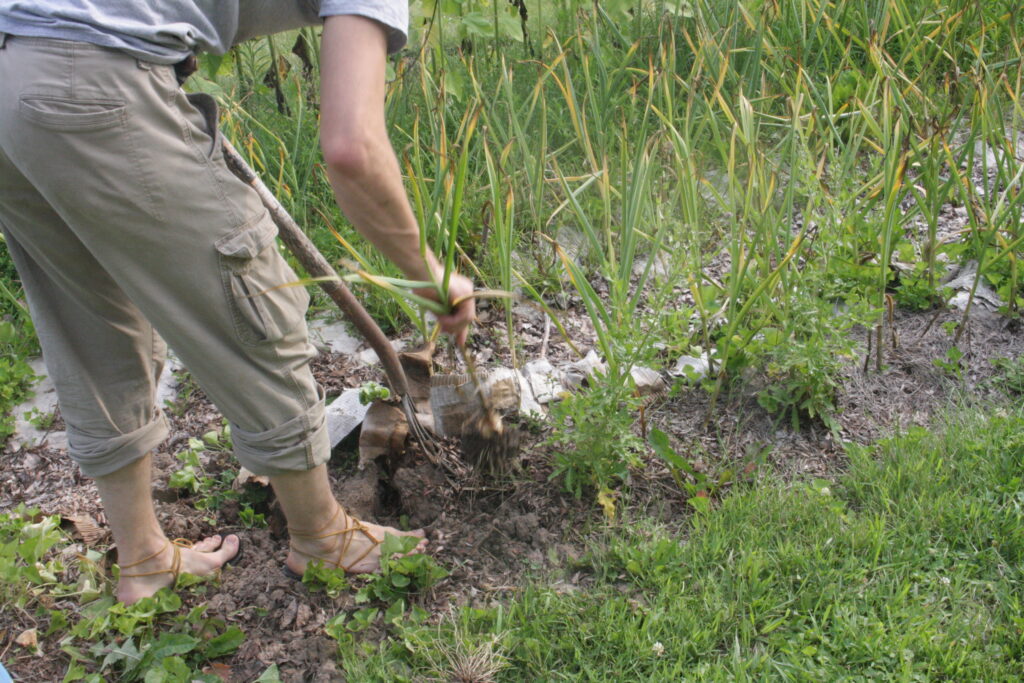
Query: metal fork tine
(426, 439)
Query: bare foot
(202, 559)
(344, 544)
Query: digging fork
(317, 266)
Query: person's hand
(463, 313)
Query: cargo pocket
(266, 304)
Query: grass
(908, 567)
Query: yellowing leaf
(606, 499)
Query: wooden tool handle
(317, 266)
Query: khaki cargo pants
(127, 229)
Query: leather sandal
(352, 526)
(175, 568)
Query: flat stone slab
(344, 415)
(335, 335)
(43, 401)
(369, 357)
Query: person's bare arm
(361, 164)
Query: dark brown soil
(492, 531)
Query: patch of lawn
(907, 568)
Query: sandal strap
(345, 541)
(313, 534)
(175, 568)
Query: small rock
(544, 381)
(692, 368)
(648, 382)
(245, 477)
(369, 356)
(582, 370)
(28, 639)
(993, 156)
(963, 283)
(528, 404)
(659, 265)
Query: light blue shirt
(167, 31)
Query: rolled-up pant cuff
(98, 456)
(298, 445)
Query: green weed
(1009, 375)
(27, 571)
(41, 420)
(402, 574)
(593, 441)
(16, 381)
(210, 491)
(149, 640)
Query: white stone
(544, 380)
(344, 414)
(589, 365)
(992, 155)
(660, 265)
(691, 367)
(963, 283)
(528, 404)
(647, 381)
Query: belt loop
(3, 39)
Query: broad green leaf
(225, 643)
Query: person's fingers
(463, 312)
(457, 323)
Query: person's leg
(111, 424)
(141, 543)
(338, 540)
